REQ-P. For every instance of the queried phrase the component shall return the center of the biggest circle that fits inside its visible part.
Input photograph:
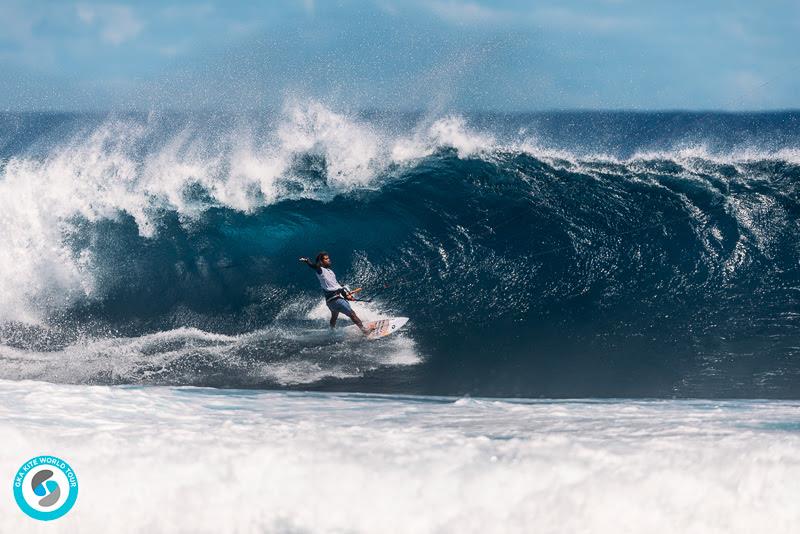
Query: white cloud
(388, 8)
(18, 23)
(86, 13)
(116, 23)
(188, 11)
(566, 18)
(468, 12)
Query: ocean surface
(572, 254)
(158, 333)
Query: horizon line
(277, 109)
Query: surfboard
(380, 328)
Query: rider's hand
(303, 260)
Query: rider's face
(326, 261)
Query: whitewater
(185, 459)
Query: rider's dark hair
(321, 255)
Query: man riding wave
(336, 295)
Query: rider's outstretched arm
(310, 264)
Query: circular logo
(45, 487)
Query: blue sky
(467, 55)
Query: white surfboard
(379, 328)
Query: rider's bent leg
(357, 321)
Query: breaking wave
(549, 254)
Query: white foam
(690, 155)
(194, 460)
(700, 152)
(185, 355)
(365, 311)
(115, 358)
(351, 149)
(448, 132)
